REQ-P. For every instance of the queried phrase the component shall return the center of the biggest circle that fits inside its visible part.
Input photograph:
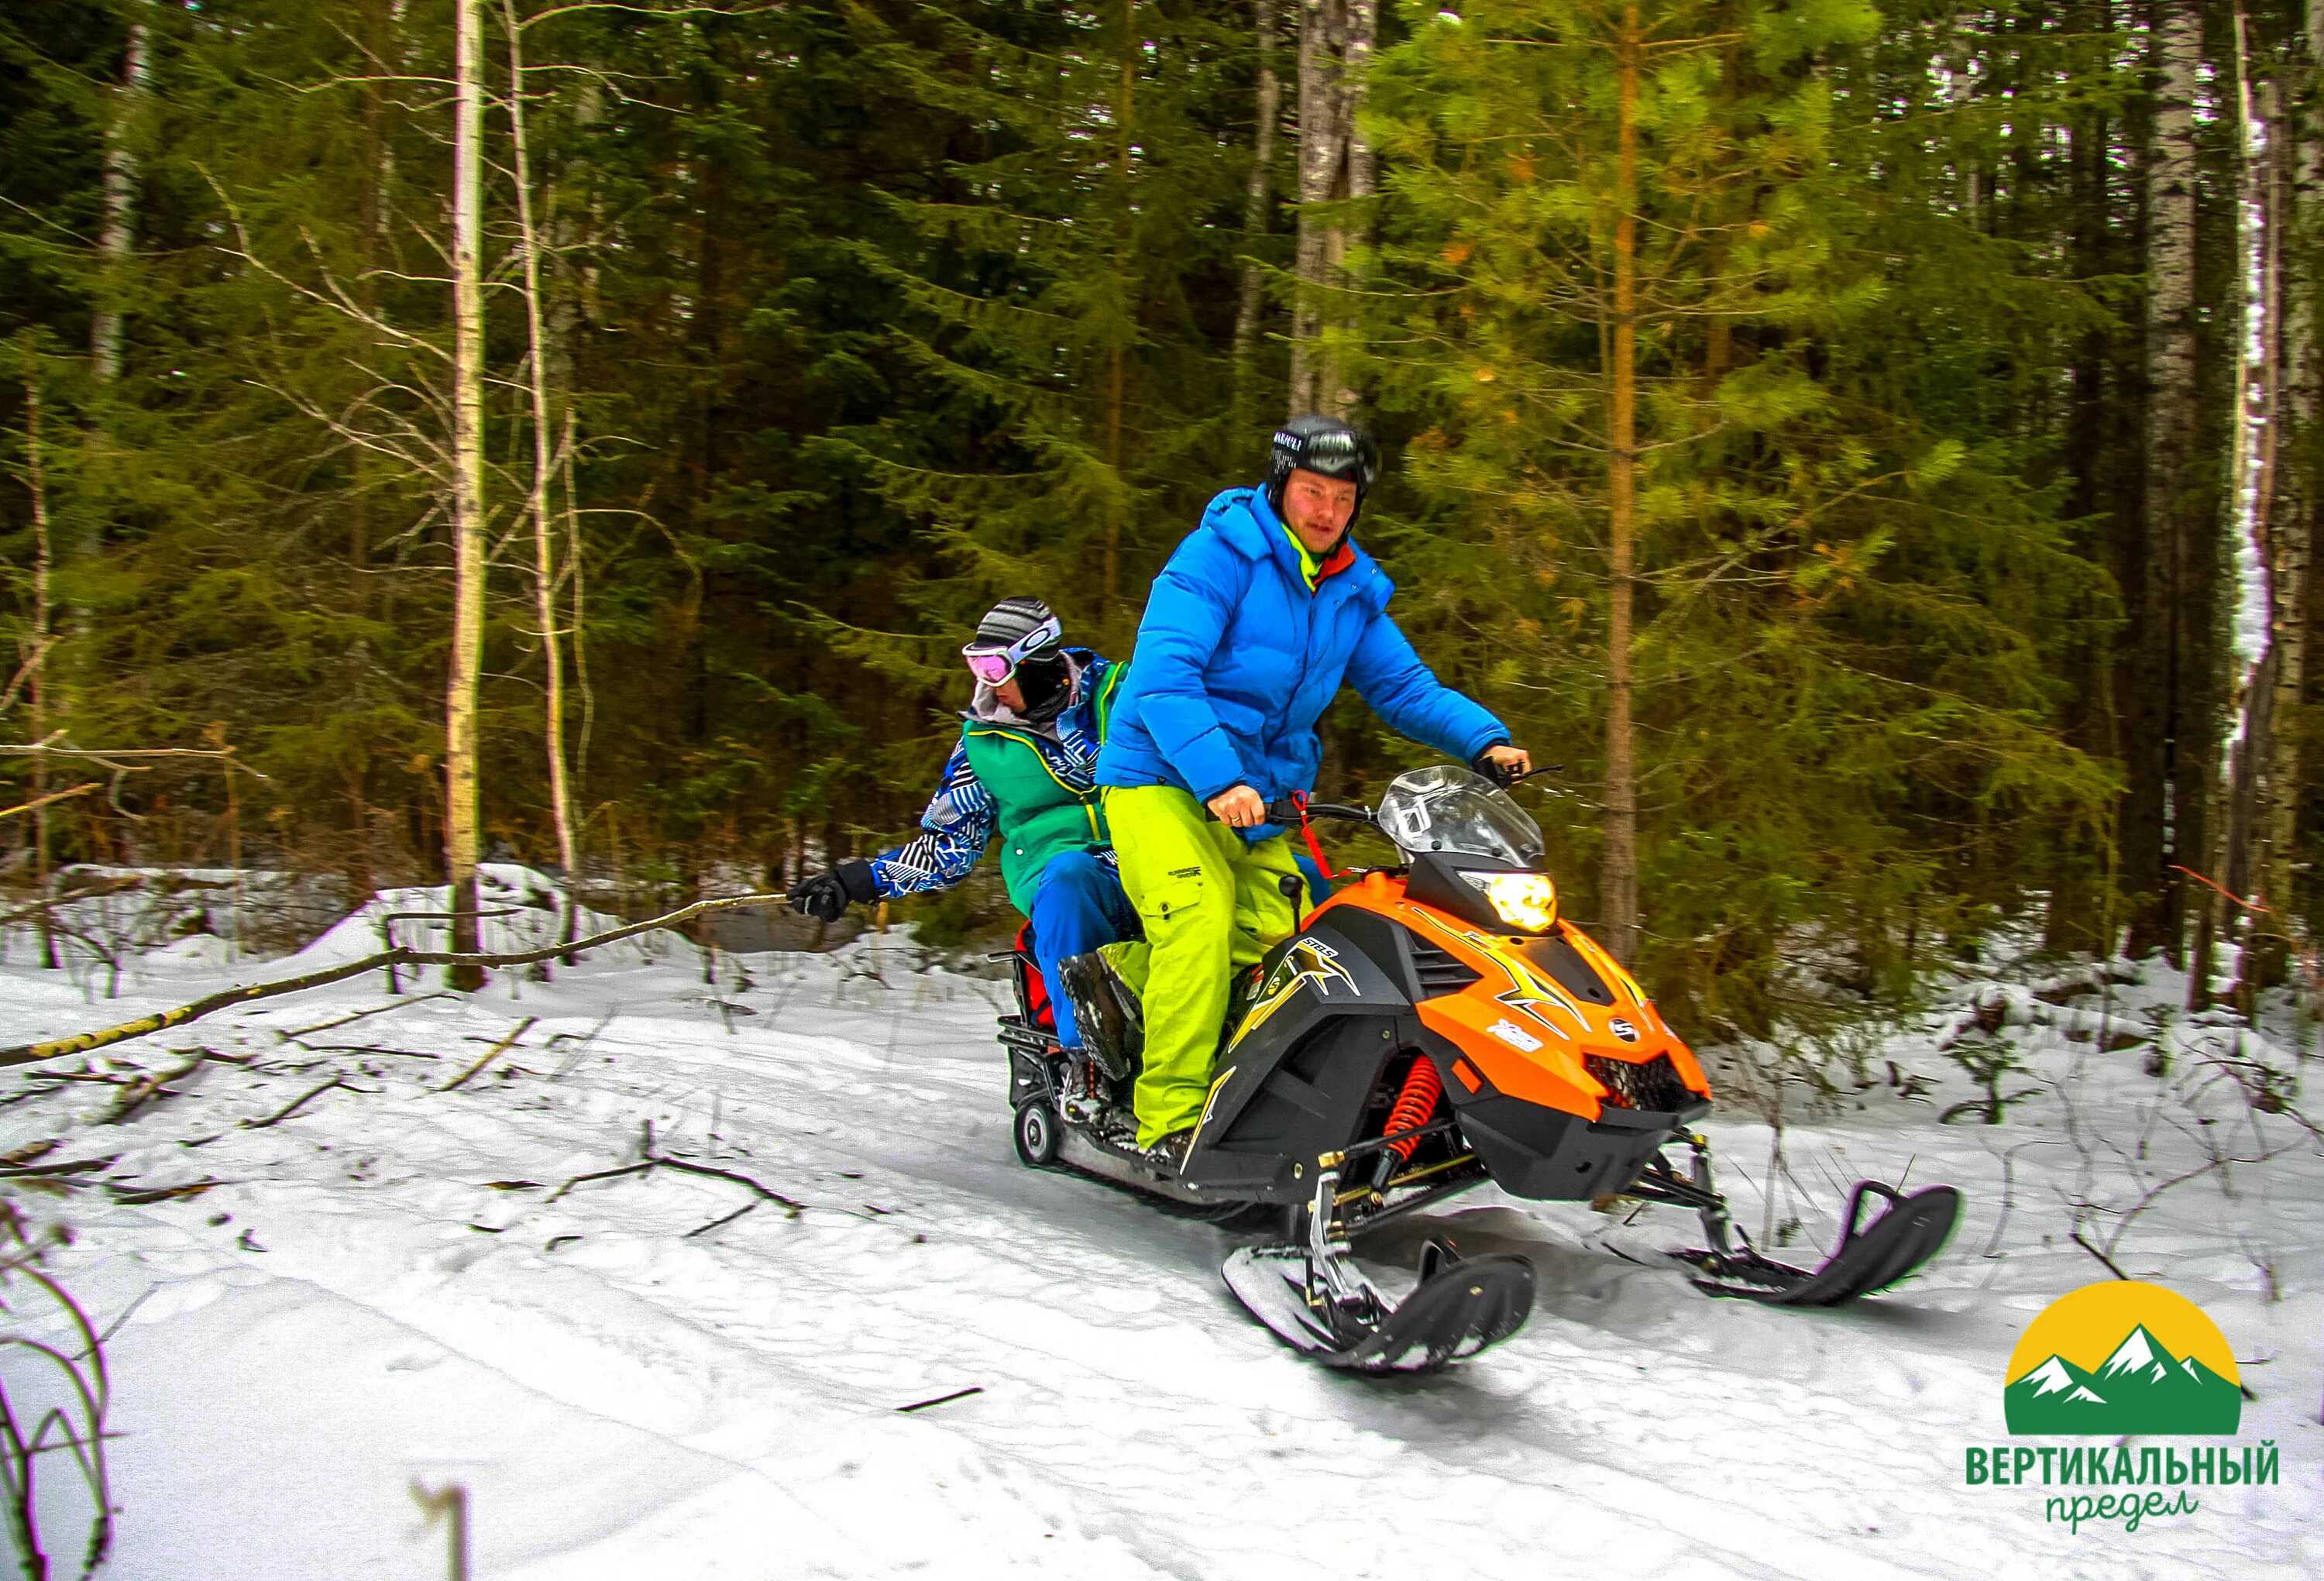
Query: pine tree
(1833, 667)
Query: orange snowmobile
(1433, 1026)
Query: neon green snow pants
(1211, 904)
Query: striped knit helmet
(1010, 622)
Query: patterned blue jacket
(962, 817)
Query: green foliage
(1851, 608)
(870, 312)
(1989, 1059)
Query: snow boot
(1106, 1013)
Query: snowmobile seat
(1032, 989)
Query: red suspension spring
(1413, 1105)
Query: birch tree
(2162, 825)
(544, 577)
(32, 671)
(116, 234)
(462, 809)
(2296, 136)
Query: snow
(386, 1289)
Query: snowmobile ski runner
(1431, 1026)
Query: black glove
(1483, 765)
(827, 894)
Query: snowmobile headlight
(1526, 901)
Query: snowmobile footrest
(1459, 1310)
(1909, 1232)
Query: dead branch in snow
(498, 1049)
(129, 1198)
(301, 1031)
(2180, 1107)
(300, 1102)
(397, 955)
(654, 1160)
(141, 1090)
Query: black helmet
(1329, 445)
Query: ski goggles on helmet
(994, 666)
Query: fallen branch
(790, 1209)
(163, 1194)
(141, 1091)
(721, 1221)
(523, 1028)
(296, 1104)
(2112, 1267)
(358, 1048)
(161, 1020)
(941, 1399)
(603, 1174)
(297, 1032)
(653, 1160)
(16, 1171)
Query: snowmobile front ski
(1313, 1298)
(1870, 1257)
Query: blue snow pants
(1079, 906)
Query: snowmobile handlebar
(1292, 809)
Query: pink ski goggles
(994, 666)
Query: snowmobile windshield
(1448, 809)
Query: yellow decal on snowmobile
(1307, 962)
(1209, 1104)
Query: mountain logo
(2119, 1357)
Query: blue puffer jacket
(1237, 660)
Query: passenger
(1029, 747)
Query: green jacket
(1046, 803)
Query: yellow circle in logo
(2123, 1357)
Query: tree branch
(160, 1020)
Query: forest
(1872, 452)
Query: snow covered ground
(387, 1287)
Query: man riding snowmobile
(1260, 613)
(1027, 749)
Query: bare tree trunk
(2164, 680)
(36, 684)
(1254, 211)
(461, 808)
(1620, 882)
(1335, 43)
(383, 21)
(117, 232)
(1118, 361)
(116, 241)
(2251, 494)
(575, 565)
(544, 550)
(2296, 142)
